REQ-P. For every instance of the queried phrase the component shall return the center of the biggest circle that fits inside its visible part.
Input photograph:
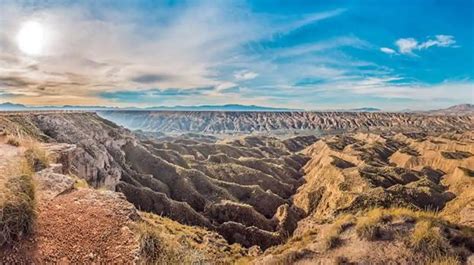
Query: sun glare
(30, 38)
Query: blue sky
(302, 54)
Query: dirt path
(82, 227)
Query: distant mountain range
(229, 107)
(462, 109)
(368, 109)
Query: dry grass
(79, 183)
(183, 244)
(13, 141)
(427, 238)
(155, 247)
(368, 226)
(37, 157)
(17, 192)
(332, 239)
(445, 260)
(17, 209)
(151, 247)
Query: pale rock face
(51, 184)
(264, 122)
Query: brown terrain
(215, 122)
(362, 187)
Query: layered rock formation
(347, 175)
(353, 172)
(241, 188)
(249, 122)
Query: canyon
(273, 183)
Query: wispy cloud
(112, 51)
(214, 52)
(245, 75)
(388, 50)
(408, 45)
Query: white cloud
(181, 47)
(393, 87)
(245, 75)
(407, 45)
(440, 41)
(225, 85)
(387, 50)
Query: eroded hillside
(302, 199)
(348, 175)
(249, 122)
(241, 188)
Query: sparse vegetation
(79, 183)
(426, 238)
(17, 194)
(13, 141)
(151, 247)
(17, 208)
(332, 239)
(368, 226)
(154, 248)
(163, 241)
(36, 156)
(445, 260)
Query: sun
(30, 38)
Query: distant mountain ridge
(366, 109)
(228, 107)
(461, 109)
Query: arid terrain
(229, 187)
(215, 122)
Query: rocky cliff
(248, 122)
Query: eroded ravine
(257, 190)
(241, 188)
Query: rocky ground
(302, 199)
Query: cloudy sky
(302, 54)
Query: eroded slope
(241, 188)
(348, 175)
(249, 122)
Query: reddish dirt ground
(82, 227)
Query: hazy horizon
(302, 55)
